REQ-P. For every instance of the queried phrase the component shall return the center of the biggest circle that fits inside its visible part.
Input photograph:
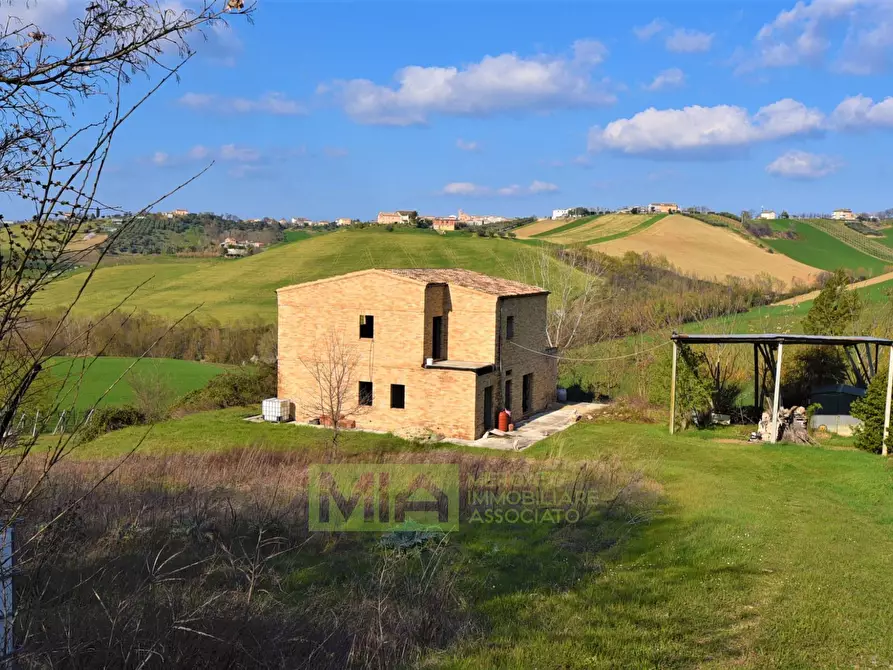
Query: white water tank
(276, 409)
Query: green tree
(835, 309)
(785, 215)
(870, 409)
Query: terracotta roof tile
(467, 279)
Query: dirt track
(797, 299)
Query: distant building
(236, 251)
(843, 215)
(400, 216)
(560, 213)
(299, 221)
(177, 212)
(443, 223)
(663, 208)
(343, 222)
(768, 214)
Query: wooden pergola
(862, 352)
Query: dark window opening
(508, 395)
(366, 393)
(398, 396)
(367, 326)
(509, 327)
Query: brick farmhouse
(438, 350)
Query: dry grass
(204, 560)
(708, 251)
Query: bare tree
(52, 158)
(337, 396)
(575, 287)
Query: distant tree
(785, 215)
(835, 309)
(746, 214)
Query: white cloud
(467, 145)
(682, 40)
(800, 35)
(649, 30)
(671, 78)
(502, 83)
(860, 111)
(269, 103)
(698, 129)
(466, 188)
(802, 165)
(231, 152)
(542, 187)
(160, 158)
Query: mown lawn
(84, 381)
(760, 556)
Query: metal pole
(887, 406)
(756, 383)
(777, 395)
(673, 392)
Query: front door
(437, 338)
(526, 393)
(488, 408)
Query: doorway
(488, 408)
(437, 338)
(526, 393)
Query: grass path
(763, 557)
(821, 250)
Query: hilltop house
(663, 208)
(443, 223)
(560, 213)
(768, 214)
(344, 221)
(400, 216)
(843, 215)
(438, 350)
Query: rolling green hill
(230, 290)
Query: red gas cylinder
(504, 421)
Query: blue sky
(344, 109)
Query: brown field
(609, 224)
(541, 226)
(81, 243)
(708, 251)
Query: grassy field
(538, 228)
(707, 251)
(563, 230)
(85, 380)
(819, 249)
(862, 243)
(229, 290)
(757, 556)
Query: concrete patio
(537, 428)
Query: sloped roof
(476, 281)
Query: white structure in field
(843, 215)
(768, 214)
(560, 213)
